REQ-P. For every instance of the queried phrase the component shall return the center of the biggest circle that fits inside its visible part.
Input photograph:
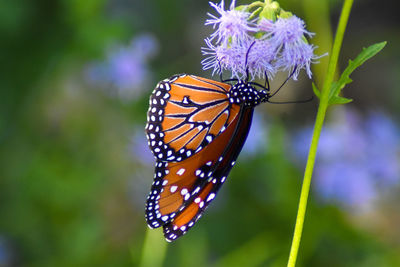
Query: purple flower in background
(384, 145)
(125, 73)
(140, 149)
(357, 161)
(343, 182)
(257, 139)
(143, 167)
(146, 46)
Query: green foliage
(344, 79)
(337, 86)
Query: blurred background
(75, 77)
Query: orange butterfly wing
(185, 184)
(187, 113)
(204, 191)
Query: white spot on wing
(210, 197)
(181, 171)
(184, 191)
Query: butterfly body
(195, 128)
(243, 92)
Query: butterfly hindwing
(183, 190)
(209, 189)
(176, 183)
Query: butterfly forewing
(187, 113)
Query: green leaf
(317, 92)
(344, 79)
(339, 100)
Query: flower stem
(256, 4)
(317, 131)
(154, 249)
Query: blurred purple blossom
(143, 162)
(125, 73)
(146, 46)
(7, 257)
(257, 139)
(357, 160)
(140, 149)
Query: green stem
(258, 5)
(154, 249)
(305, 189)
(255, 4)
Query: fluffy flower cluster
(125, 72)
(259, 46)
(357, 159)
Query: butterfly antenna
(247, 57)
(292, 102)
(220, 70)
(287, 79)
(266, 85)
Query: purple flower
(232, 25)
(297, 56)
(125, 73)
(285, 30)
(266, 47)
(221, 58)
(357, 159)
(288, 35)
(261, 59)
(266, 26)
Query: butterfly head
(244, 92)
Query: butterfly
(196, 128)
